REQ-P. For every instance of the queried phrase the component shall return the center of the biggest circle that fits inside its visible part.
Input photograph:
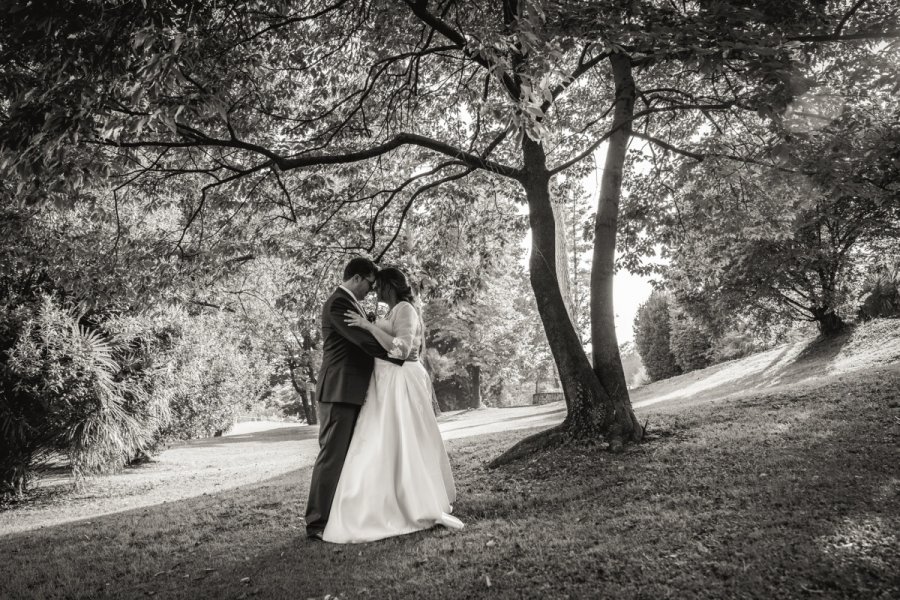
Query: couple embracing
(382, 469)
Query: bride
(396, 478)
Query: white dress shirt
(355, 301)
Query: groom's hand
(354, 319)
(359, 337)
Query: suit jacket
(348, 354)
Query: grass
(790, 492)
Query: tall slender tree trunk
(301, 388)
(562, 257)
(562, 267)
(474, 372)
(606, 357)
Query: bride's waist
(384, 361)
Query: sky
(629, 291)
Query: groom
(348, 360)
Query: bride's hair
(394, 279)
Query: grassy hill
(872, 344)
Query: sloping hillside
(872, 344)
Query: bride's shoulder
(402, 309)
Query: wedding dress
(396, 478)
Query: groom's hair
(359, 266)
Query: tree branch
(637, 115)
(420, 9)
(846, 17)
(409, 204)
(667, 146)
(472, 160)
(582, 68)
(847, 37)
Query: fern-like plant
(82, 407)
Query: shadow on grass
(778, 495)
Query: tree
(652, 336)
(790, 243)
(690, 342)
(492, 339)
(349, 99)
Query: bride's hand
(354, 319)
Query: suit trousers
(336, 423)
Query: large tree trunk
(474, 372)
(829, 322)
(607, 360)
(589, 406)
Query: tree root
(561, 434)
(539, 442)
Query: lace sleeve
(405, 324)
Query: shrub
(205, 375)
(735, 344)
(689, 342)
(652, 337)
(63, 391)
(880, 294)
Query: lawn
(790, 492)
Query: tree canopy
(340, 117)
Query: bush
(104, 394)
(880, 295)
(735, 344)
(652, 337)
(205, 375)
(689, 342)
(63, 391)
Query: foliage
(482, 325)
(652, 337)
(204, 371)
(784, 246)
(880, 292)
(689, 341)
(786, 235)
(495, 331)
(734, 344)
(64, 390)
(119, 400)
(335, 120)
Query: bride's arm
(400, 345)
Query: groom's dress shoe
(314, 536)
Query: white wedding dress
(396, 478)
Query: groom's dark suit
(348, 359)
